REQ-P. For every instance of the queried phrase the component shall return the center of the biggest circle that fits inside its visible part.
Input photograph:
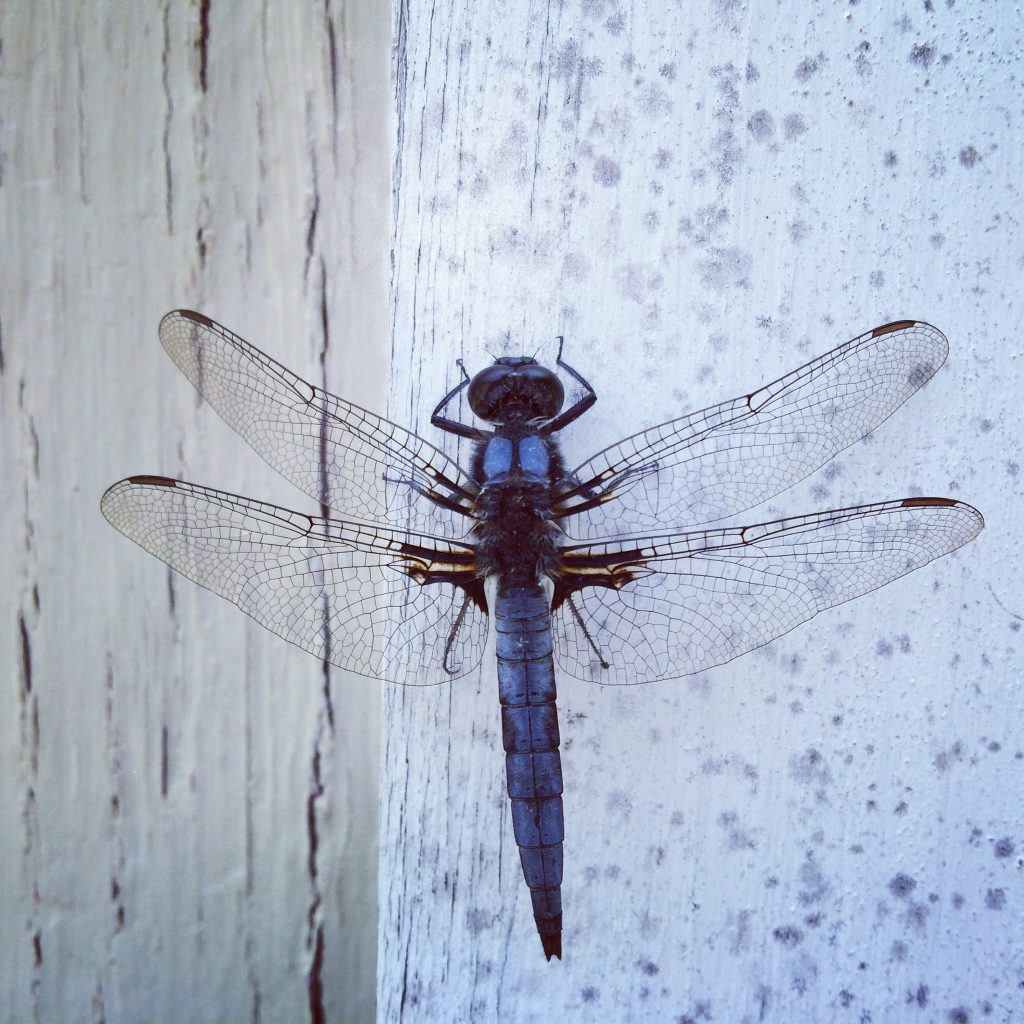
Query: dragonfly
(619, 569)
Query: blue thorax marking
(498, 458)
(533, 458)
(528, 456)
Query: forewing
(712, 595)
(335, 589)
(348, 459)
(723, 460)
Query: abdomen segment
(529, 724)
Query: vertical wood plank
(701, 197)
(185, 835)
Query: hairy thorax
(516, 539)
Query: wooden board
(701, 197)
(185, 836)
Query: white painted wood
(166, 767)
(701, 197)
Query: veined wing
(723, 460)
(669, 605)
(346, 458)
(343, 591)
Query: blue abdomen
(529, 723)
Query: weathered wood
(186, 836)
(700, 198)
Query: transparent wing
(348, 459)
(336, 589)
(728, 458)
(700, 599)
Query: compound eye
(484, 390)
(545, 389)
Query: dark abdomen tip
(550, 930)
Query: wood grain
(187, 834)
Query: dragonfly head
(515, 389)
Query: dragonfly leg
(457, 501)
(576, 411)
(454, 426)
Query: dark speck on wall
(995, 899)
(589, 994)
(861, 62)
(725, 155)
(788, 935)
(809, 66)
(704, 224)
(761, 125)
(923, 54)
(902, 885)
(810, 767)
(701, 1012)
(738, 837)
(798, 231)
(1004, 847)
(920, 996)
(570, 62)
(793, 126)
(969, 156)
(945, 759)
(726, 77)
(916, 915)
(960, 1016)
(815, 885)
(890, 159)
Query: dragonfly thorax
(524, 458)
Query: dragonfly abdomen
(529, 722)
